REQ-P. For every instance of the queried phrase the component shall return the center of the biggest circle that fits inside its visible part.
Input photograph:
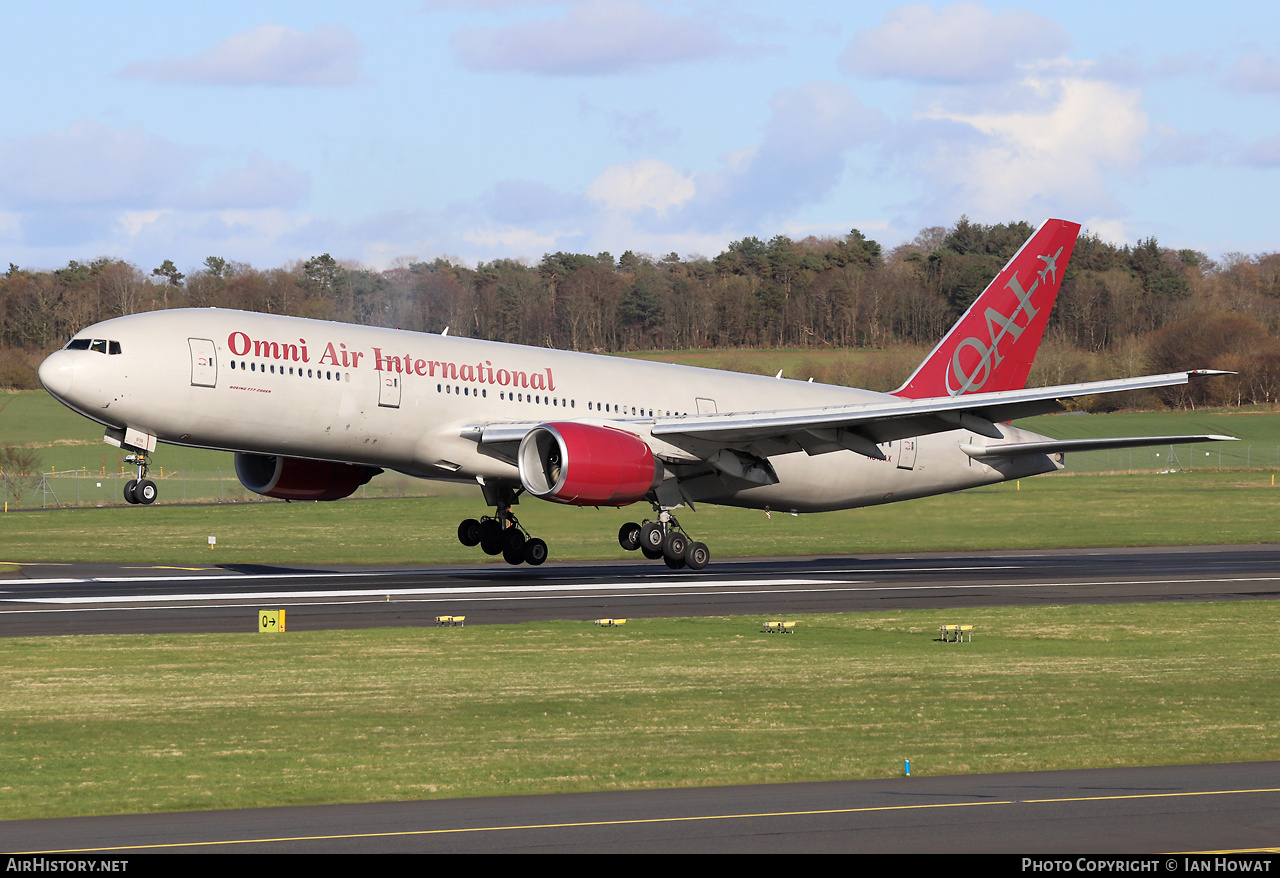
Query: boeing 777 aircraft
(314, 409)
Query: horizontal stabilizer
(1062, 446)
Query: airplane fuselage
(275, 385)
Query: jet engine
(292, 478)
(586, 465)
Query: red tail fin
(993, 344)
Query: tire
(535, 552)
(491, 536)
(469, 532)
(513, 557)
(652, 536)
(629, 536)
(146, 492)
(673, 563)
(129, 496)
(674, 546)
(697, 556)
(651, 554)
(513, 539)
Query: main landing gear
(501, 533)
(142, 489)
(664, 539)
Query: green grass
(1044, 512)
(118, 724)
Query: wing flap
(1063, 446)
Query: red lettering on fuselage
(240, 344)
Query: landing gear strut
(664, 539)
(142, 489)
(502, 533)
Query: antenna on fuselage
(446, 332)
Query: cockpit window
(101, 345)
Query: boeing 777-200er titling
(313, 410)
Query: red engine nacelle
(292, 478)
(586, 465)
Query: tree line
(1122, 310)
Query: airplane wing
(739, 442)
(861, 427)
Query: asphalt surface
(94, 599)
(1156, 811)
(1106, 811)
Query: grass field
(116, 724)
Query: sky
(382, 133)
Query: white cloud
(91, 164)
(134, 221)
(957, 44)
(513, 239)
(269, 54)
(811, 130)
(260, 183)
(1048, 161)
(94, 165)
(1256, 73)
(647, 183)
(596, 37)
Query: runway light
(907, 763)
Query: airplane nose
(56, 374)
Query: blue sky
(272, 131)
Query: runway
(1153, 811)
(93, 599)
(1121, 810)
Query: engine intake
(585, 465)
(292, 478)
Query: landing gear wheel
(129, 496)
(697, 556)
(513, 541)
(651, 554)
(535, 552)
(515, 556)
(146, 492)
(629, 536)
(652, 536)
(469, 532)
(673, 547)
(673, 563)
(491, 536)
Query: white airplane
(313, 410)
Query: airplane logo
(1050, 266)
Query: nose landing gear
(140, 490)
